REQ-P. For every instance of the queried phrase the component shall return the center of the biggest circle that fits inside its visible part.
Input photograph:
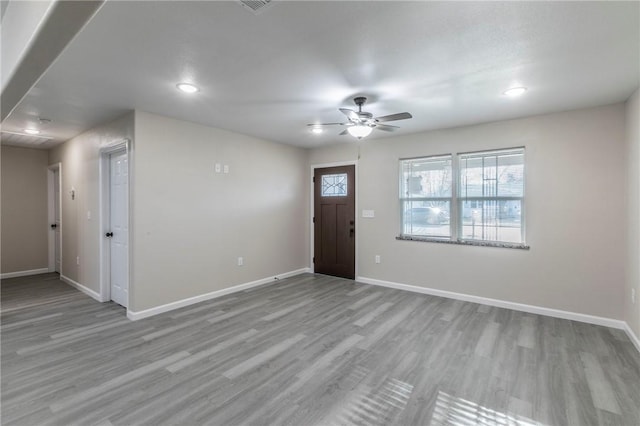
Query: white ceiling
(297, 62)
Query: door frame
(51, 215)
(105, 216)
(312, 207)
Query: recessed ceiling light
(187, 87)
(316, 130)
(515, 91)
(32, 131)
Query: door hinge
(314, 219)
(313, 260)
(313, 179)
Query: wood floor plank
(263, 357)
(116, 382)
(211, 351)
(487, 340)
(600, 388)
(370, 316)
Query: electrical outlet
(89, 215)
(225, 168)
(78, 260)
(377, 258)
(633, 295)
(240, 261)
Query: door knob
(109, 234)
(54, 226)
(351, 232)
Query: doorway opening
(334, 220)
(114, 223)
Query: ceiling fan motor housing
(360, 100)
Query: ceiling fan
(362, 123)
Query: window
(426, 191)
(491, 195)
(334, 185)
(485, 205)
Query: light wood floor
(308, 350)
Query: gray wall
(632, 311)
(24, 209)
(190, 224)
(575, 208)
(81, 236)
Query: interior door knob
(54, 226)
(109, 234)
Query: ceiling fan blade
(326, 124)
(386, 127)
(342, 133)
(393, 117)
(350, 113)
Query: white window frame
(456, 202)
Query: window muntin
(426, 188)
(485, 205)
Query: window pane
(499, 174)
(492, 220)
(334, 185)
(511, 175)
(426, 218)
(471, 177)
(426, 177)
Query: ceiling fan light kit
(360, 131)
(360, 123)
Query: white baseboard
(632, 336)
(556, 313)
(82, 288)
(24, 273)
(134, 316)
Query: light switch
(218, 167)
(226, 168)
(368, 213)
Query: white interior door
(56, 218)
(119, 227)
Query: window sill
(463, 242)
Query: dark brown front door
(335, 221)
